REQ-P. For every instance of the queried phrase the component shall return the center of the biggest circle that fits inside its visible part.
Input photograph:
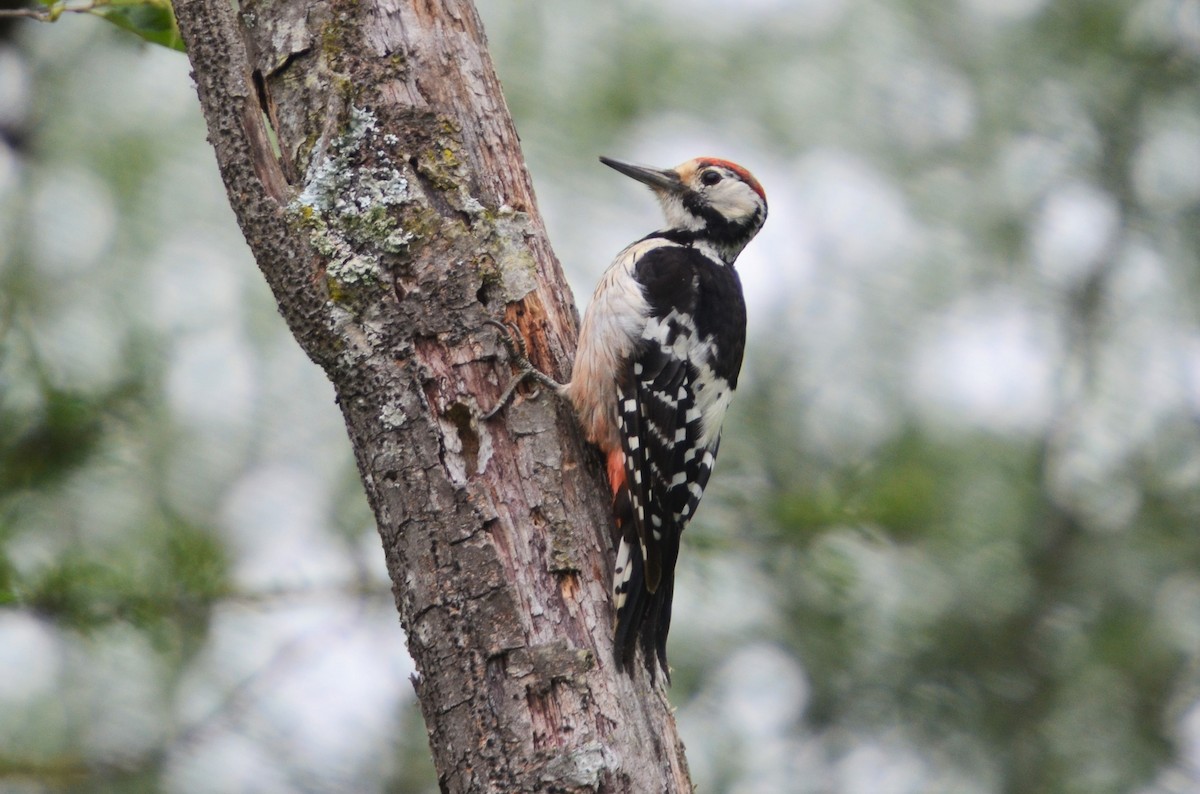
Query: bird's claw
(514, 342)
(510, 335)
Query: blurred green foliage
(898, 582)
(59, 441)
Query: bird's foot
(518, 357)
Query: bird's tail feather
(643, 618)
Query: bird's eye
(710, 177)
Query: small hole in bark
(459, 416)
(484, 293)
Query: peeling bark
(395, 218)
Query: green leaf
(153, 20)
(56, 8)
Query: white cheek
(735, 201)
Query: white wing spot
(622, 573)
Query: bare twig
(49, 13)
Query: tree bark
(374, 169)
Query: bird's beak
(657, 178)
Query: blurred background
(951, 545)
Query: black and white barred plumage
(659, 354)
(669, 412)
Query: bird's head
(706, 198)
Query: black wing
(666, 460)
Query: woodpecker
(659, 353)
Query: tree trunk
(372, 164)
